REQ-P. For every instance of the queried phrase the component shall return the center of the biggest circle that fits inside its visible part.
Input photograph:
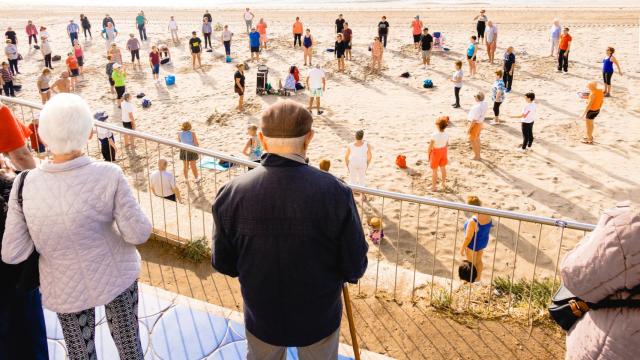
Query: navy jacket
(293, 236)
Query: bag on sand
(401, 161)
(405, 75)
(146, 103)
(56, 58)
(427, 84)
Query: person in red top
(297, 32)
(563, 50)
(416, 30)
(347, 36)
(262, 29)
(36, 142)
(32, 32)
(154, 61)
(13, 142)
(74, 69)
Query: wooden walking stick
(352, 325)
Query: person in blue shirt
(72, 30)
(254, 43)
(477, 229)
(472, 50)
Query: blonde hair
(186, 126)
(474, 200)
(324, 165)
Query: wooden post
(352, 325)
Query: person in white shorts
(248, 19)
(358, 158)
(173, 28)
(316, 83)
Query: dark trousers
(8, 89)
(496, 108)
(47, 61)
(13, 66)
(207, 40)
(563, 61)
(508, 80)
(143, 32)
(456, 92)
(85, 31)
(35, 39)
(73, 37)
(108, 151)
(22, 330)
(383, 39)
(297, 38)
(227, 47)
(171, 197)
(527, 135)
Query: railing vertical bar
(363, 218)
(455, 245)
(146, 155)
(204, 229)
(382, 222)
(435, 249)
(164, 210)
(533, 277)
(493, 266)
(415, 255)
(173, 170)
(555, 272)
(395, 281)
(513, 273)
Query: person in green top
(119, 76)
(141, 21)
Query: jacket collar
(276, 160)
(81, 161)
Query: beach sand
(561, 178)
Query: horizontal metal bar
(569, 224)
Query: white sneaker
(521, 150)
(198, 180)
(493, 122)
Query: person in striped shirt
(72, 30)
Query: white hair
(65, 123)
(294, 144)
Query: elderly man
(163, 184)
(293, 236)
(72, 31)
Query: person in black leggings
(86, 26)
(481, 25)
(527, 117)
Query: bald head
(162, 164)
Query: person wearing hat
(416, 30)
(238, 86)
(287, 215)
(119, 76)
(106, 139)
(476, 121)
(72, 31)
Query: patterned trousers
(122, 317)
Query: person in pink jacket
(606, 264)
(32, 32)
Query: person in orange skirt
(438, 152)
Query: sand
(561, 178)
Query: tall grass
(540, 291)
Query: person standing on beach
(188, 136)
(195, 47)
(491, 38)
(339, 24)
(107, 19)
(254, 44)
(426, 40)
(555, 36)
(128, 119)
(316, 83)
(297, 32)
(253, 148)
(307, 47)
(377, 50)
(358, 158)
(508, 66)
(119, 76)
(154, 62)
(248, 19)
(564, 45)
(173, 29)
(528, 116)
(32, 32)
(11, 51)
(115, 53)
(591, 111)
(109, 33)
(323, 241)
(437, 153)
(141, 23)
(383, 30)
(44, 89)
(73, 68)
(206, 32)
(347, 36)
(416, 30)
(86, 26)
(72, 31)
(62, 85)
(238, 86)
(109, 71)
(11, 35)
(133, 45)
(6, 80)
(226, 37)
(472, 50)
(45, 49)
(497, 95)
(339, 48)
(481, 25)
(207, 15)
(107, 142)
(456, 79)
(262, 30)
(79, 54)
(476, 121)
(607, 70)
(477, 231)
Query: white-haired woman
(82, 218)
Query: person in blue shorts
(254, 43)
(154, 61)
(476, 239)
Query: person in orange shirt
(74, 69)
(563, 50)
(262, 29)
(416, 29)
(594, 104)
(297, 32)
(13, 136)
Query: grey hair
(65, 123)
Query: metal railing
(417, 258)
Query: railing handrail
(423, 200)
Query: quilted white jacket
(606, 261)
(84, 221)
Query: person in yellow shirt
(591, 111)
(297, 32)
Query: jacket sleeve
(353, 247)
(603, 261)
(225, 257)
(16, 241)
(131, 220)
